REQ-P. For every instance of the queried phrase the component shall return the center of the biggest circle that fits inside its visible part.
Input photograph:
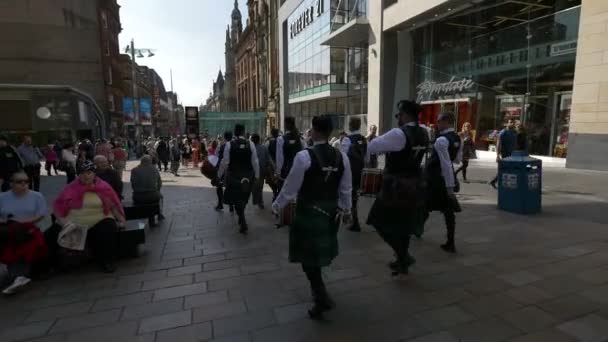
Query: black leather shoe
(449, 247)
(219, 207)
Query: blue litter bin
(520, 184)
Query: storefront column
(588, 136)
(383, 58)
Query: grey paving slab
(177, 271)
(133, 312)
(192, 333)
(217, 274)
(243, 323)
(444, 317)
(255, 303)
(221, 310)
(122, 301)
(485, 330)
(123, 331)
(591, 328)
(568, 307)
(530, 319)
(205, 299)
(528, 294)
(489, 305)
(234, 338)
(205, 259)
(545, 336)
(84, 321)
(442, 336)
(167, 282)
(26, 331)
(166, 321)
(60, 311)
(180, 291)
(520, 278)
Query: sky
(188, 37)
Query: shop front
(49, 113)
(501, 61)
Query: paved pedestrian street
(515, 278)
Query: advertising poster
(128, 111)
(192, 121)
(145, 111)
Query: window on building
(109, 75)
(111, 105)
(104, 19)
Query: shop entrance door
(561, 123)
(462, 108)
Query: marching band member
(288, 145)
(355, 147)
(398, 211)
(320, 179)
(441, 179)
(241, 163)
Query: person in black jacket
(219, 182)
(355, 147)
(108, 175)
(272, 149)
(163, 153)
(10, 162)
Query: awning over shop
(353, 34)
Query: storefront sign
(429, 89)
(564, 48)
(306, 18)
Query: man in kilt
(320, 179)
(240, 163)
(398, 211)
(441, 179)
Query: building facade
(63, 43)
(319, 74)
(541, 63)
(248, 69)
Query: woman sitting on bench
(91, 203)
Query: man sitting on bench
(146, 184)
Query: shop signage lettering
(306, 18)
(428, 89)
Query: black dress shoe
(355, 228)
(244, 229)
(161, 217)
(449, 247)
(108, 267)
(219, 207)
(232, 209)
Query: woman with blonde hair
(468, 149)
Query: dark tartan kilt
(396, 222)
(313, 236)
(437, 198)
(237, 193)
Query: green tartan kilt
(396, 222)
(313, 236)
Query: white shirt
(294, 181)
(226, 159)
(345, 145)
(69, 157)
(441, 147)
(392, 141)
(280, 158)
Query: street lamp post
(136, 53)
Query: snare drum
(287, 215)
(371, 181)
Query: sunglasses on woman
(21, 181)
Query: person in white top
(441, 179)
(320, 179)
(241, 165)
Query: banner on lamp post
(145, 111)
(128, 111)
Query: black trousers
(399, 244)
(163, 162)
(219, 190)
(463, 168)
(33, 173)
(48, 166)
(313, 273)
(450, 224)
(101, 239)
(355, 209)
(71, 174)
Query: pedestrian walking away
(240, 164)
(271, 145)
(441, 179)
(288, 145)
(266, 167)
(398, 211)
(219, 182)
(31, 157)
(355, 147)
(321, 184)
